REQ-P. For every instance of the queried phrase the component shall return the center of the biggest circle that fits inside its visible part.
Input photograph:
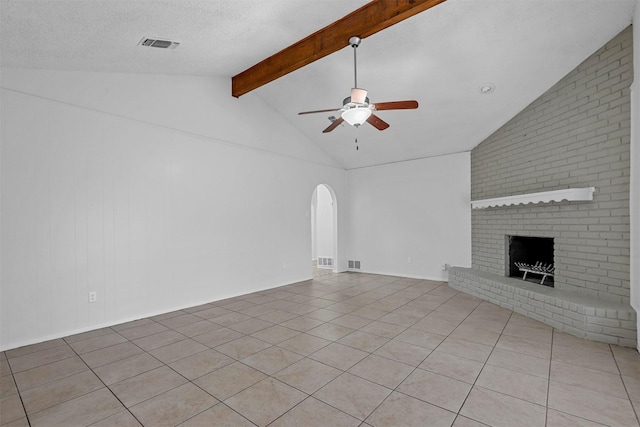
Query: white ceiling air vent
(162, 44)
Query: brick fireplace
(575, 135)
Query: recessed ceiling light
(487, 88)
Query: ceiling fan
(356, 108)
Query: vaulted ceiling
(440, 57)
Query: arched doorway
(324, 229)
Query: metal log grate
(546, 270)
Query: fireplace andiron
(539, 268)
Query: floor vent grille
(325, 262)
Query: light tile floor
(339, 350)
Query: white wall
(153, 191)
(324, 222)
(418, 209)
(314, 232)
(197, 106)
(635, 170)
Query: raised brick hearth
(575, 135)
(580, 315)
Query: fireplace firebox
(530, 258)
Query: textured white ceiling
(439, 57)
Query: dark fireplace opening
(531, 259)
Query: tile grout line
(105, 386)
(347, 371)
(163, 364)
(193, 381)
(143, 352)
(414, 369)
(546, 412)
(348, 296)
(343, 371)
(624, 384)
(483, 363)
(434, 349)
(113, 331)
(13, 378)
(549, 386)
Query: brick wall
(575, 135)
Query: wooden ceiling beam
(363, 22)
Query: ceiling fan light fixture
(356, 116)
(356, 108)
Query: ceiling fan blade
(319, 111)
(396, 105)
(377, 122)
(337, 122)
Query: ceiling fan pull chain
(357, 139)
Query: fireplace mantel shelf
(569, 194)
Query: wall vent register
(162, 44)
(325, 262)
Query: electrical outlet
(409, 260)
(93, 296)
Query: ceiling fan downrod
(355, 42)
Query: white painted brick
(627, 324)
(582, 123)
(617, 332)
(602, 338)
(562, 319)
(603, 321)
(553, 309)
(578, 324)
(544, 313)
(627, 342)
(570, 319)
(573, 315)
(537, 317)
(594, 328)
(574, 331)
